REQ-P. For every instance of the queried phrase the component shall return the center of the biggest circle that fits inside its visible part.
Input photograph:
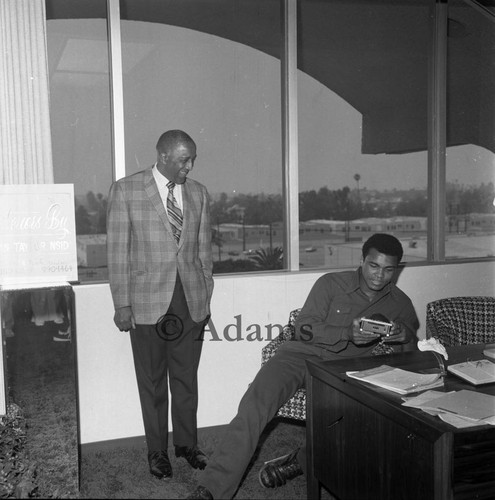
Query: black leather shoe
(160, 464)
(278, 471)
(200, 493)
(196, 458)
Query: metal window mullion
(437, 125)
(116, 88)
(290, 136)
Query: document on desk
(476, 372)
(398, 380)
(423, 402)
(462, 408)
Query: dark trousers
(168, 354)
(274, 384)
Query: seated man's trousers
(274, 384)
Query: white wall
(109, 405)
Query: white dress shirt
(162, 182)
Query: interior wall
(242, 307)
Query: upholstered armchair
(461, 320)
(295, 407)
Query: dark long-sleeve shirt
(326, 319)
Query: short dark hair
(384, 243)
(171, 138)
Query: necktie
(174, 212)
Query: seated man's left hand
(398, 333)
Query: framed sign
(37, 234)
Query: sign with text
(37, 234)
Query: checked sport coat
(143, 256)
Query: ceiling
(373, 53)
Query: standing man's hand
(124, 319)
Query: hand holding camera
(376, 327)
(373, 326)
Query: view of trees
(338, 204)
(348, 204)
(470, 199)
(247, 209)
(268, 259)
(262, 259)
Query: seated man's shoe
(278, 471)
(196, 458)
(160, 465)
(200, 493)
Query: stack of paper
(398, 380)
(460, 408)
(475, 372)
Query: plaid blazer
(143, 256)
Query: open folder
(397, 379)
(475, 372)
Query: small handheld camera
(374, 326)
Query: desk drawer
(358, 453)
(474, 467)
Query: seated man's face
(378, 269)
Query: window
(470, 166)
(226, 95)
(214, 70)
(81, 130)
(362, 107)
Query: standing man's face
(378, 269)
(176, 163)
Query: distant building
(401, 224)
(471, 223)
(229, 231)
(321, 227)
(353, 230)
(232, 231)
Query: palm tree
(357, 178)
(268, 259)
(217, 240)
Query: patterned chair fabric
(461, 320)
(295, 407)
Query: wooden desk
(362, 444)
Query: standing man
(327, 328)
(160, 271)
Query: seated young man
(328, 327)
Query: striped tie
(174, 212)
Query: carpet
(123, 472)
(41, 381)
